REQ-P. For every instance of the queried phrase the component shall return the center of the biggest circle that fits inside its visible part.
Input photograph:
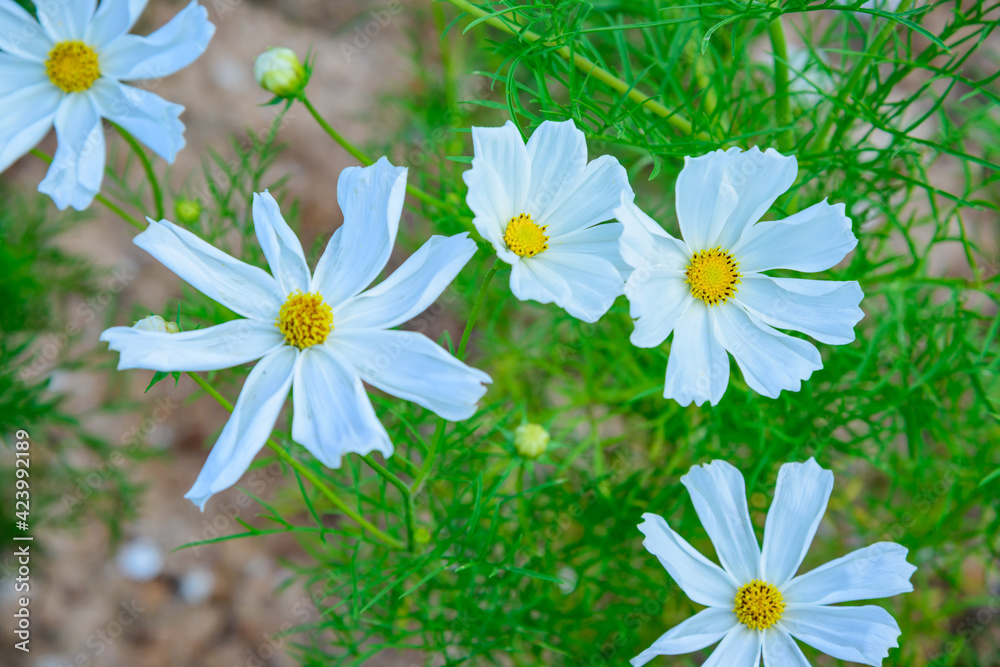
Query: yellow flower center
(305, 319)
(758, 605)
(524, 237)
(713, 275)
(72, 66)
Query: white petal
(594, 283)
(558, 155)
(221, 346)
(645, 244)
(798, 506)
(780, 649)
(77, 170)
(537, 281)
(28, 116)
(811, 240)
(372, 201)
(489, 203)
(280, 245)
(827, 310)
(856, 634)
(769, 360)
(701, 580)
(657, 299)
(411, 366)
(167, 50)
(600, 241)
(21, 35)
(740, 648)
(719, 495)
(411, 288)
(18, 73)
(333, 414)
(242, 288)
(876, 571)
(698, 366)
(145, 115)
(112, 19)
(507, 177)
(703, 629)
(65, 21)
(591, 200)
(720, 194)
(249, 426)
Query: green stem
(117, 210)
(428, 463)
(783, 109)
(147, 166)
(305, 472)
(587, 66)
(823, 135)
(403, 489)
(476, 307)
(364, 159)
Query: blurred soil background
(137, 604)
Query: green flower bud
(279, 71)
(530, 440)
(187, 211)
(156, 323)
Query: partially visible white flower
(755, 602)
(66, 69)
(279, 71)
(709, 289)
(808, 78)
(156, 323)
(319, 332)
(540, 205)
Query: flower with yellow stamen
(549, 213)
(757, 606)
(68, 70)
(708, 288)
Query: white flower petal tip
(68, 68)
(371, 199)
(754, 580)
(707, 288)
(540, 204)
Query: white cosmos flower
(541, 206)
(755, 602)
(66, 69)
(318, 334)
(709, 289)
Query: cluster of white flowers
(572, 234)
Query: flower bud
(530, 440)
(279, 71)
(187, 211)
(156, 323)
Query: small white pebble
(197, 585)
(141, 559)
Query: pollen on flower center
(758, 605)
(72, 66)
(523, 237)
(713, 275)
(305, 319)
